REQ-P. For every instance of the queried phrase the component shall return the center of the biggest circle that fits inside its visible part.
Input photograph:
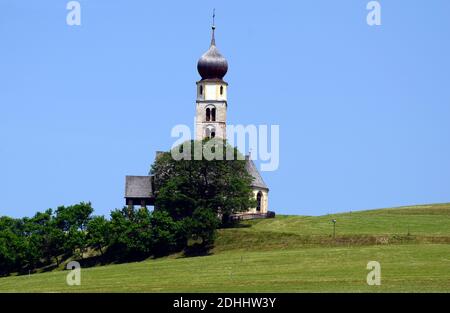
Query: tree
(220, 185)
(203, 225)
(53, 241)
(195, 192)
(12, 247)
(33, 243)
(167, 235)
(98, 233)
(73, 221)
(130, 233)
(75, 242)
(45, 233)
(30, 242)
(75, 216)
(33, 252)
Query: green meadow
(288, 254)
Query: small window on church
(208, 114)
(221, 90)
(258, 201)
(213, 114)
(201, 89)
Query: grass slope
(288, 254)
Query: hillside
(412, 224)
(288, 254)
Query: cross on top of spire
(213, 40)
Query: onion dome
(212, 65)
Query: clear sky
(364, 112)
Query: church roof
(138, 187)
(252, 170)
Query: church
(211, 113)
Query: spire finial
(213, 40)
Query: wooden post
(130, 206)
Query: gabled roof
(252, 170)
(138, 187)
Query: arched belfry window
(201, 89)
(221, 90)
(210, 112)
(259, 201)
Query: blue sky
(364, 112)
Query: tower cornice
(212, 101)
(212, 80)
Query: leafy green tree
(130, 233)
(33, 254)
(7, 257)
(75, 242)
(47, 235)
(73, 221)
(203, 225)
(30, 242)
(98, 233)
(11, 250)
(53, 241)
(221, 185)
(75, 216)
(167, 235)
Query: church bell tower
(211, 104)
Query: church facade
(211, 121)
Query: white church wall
(264, 201)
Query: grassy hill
(288, 254)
